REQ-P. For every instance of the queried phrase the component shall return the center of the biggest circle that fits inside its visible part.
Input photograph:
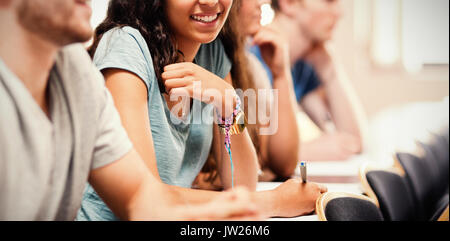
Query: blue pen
(303, 171)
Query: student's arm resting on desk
(337, 93)
(334, 103)
(133, 193)
(282, 154)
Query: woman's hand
(274, 50)
(295, 198)
(190, 79)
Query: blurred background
(396, 55)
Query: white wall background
(99, 8)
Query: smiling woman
(149, 50)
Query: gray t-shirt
(45, 162)
(181, 148)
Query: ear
(289, 7)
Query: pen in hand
(303, 171)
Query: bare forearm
(153, 203)
(193, 196)
(266, 203)
(344, 105)
(131, 191)
(338, 95)
(245, 162)
(284, 144)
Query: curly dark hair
(149, 18)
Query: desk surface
(332, 187)
(338, 176)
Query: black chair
(422, 176)
(440, 208)
(443, 217)
(391, 193)
(436, 157)
(439, 147)
(445, 134)
(334, 206)
(426, 181)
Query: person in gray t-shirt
(59, 127)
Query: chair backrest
(424, 182)
(444, 215)
(440, 208)
(439, 147)
(442, 149)
(334, 206)
(436, 156)
(445, 134)
(389, 190)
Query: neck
(28, 56)
(189, 49)
(299, 43)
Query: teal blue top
(181, 147)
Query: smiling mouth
(205, 18)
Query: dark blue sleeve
(305, 79)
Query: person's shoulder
(125, 48)
(126, 32)
(121, 38)
(74, 59)
(77, 70)
(74, 51)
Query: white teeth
(206, 19)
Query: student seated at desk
(277, 141)
(150, 52)
(59, 128)
(321, 87)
